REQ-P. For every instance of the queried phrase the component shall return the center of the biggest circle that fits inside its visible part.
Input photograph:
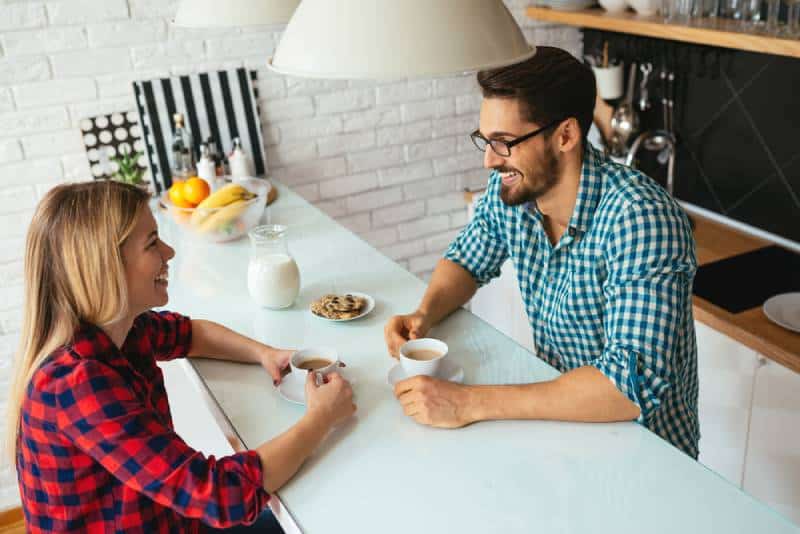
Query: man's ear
(568, 135)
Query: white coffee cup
(609, 81)
(315, 353)
(429, 367)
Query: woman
(89, 419)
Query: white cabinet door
(726, 371)
(499, 303)
(772, 468)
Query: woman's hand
(332, 401)
(275, 361)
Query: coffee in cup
(320, 360)
(422, 356)
(314, 364)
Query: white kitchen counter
(383, 472)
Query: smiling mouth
(510, 178)
(162, 279)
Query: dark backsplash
(738, 127)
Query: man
(604, 259)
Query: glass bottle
(273, 278)
(182, 158)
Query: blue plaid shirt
(615, 292)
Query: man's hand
(434, 402)
(275, 361)
(402, 328)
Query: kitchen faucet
(656, 140)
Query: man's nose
(491, 159)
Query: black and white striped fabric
(220, 105)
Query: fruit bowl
(227, 214)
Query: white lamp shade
(230, 13)
(390, 39)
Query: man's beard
(529, 188)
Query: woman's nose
(167, 252)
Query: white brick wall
(388, 160)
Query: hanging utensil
(624, 120)
(644, 98)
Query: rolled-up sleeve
(651, 264)
(101, 416)
(480, 248)
(170, 334)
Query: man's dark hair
(552, 85)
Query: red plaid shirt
(97, 451)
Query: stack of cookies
(338, 306)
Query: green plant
(129, 170)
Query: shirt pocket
(583, 302)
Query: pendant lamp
(230, 13)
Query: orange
(176, 195)
(196, 190)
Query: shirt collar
(589, 191)
(91, 341)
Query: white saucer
(368, 308)
(294, 390)
(784, 310)
(448, 370)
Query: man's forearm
(451, 287)
(212, 340)
(583, 394)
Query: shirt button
(573, 231)
(551, 279)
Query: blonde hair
(73, 272)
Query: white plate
(368, 308)
(294, 390)
(448, 370)
(784, 310)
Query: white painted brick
(11, 320)
(343, 143)
(375, 159)
(459, 162)
(381, 238)
(334, 208)
(473, 179)
(348, 185)
(288, 153)
(33, 121)
(6, 100)
(86, 11)
(311, 87)
(19, 198)
(76, 168)
(288, 108)
(421, 264)
(431, 187)
(438, 108)
(374, 199)
(174, 33)
(446, 203)
(126, 33)
(12, 249)
(44, 41)
(310, 192)
(43, 189)
(410, 172)
(11, 274)
(468, 104)
(121, 84)
(404, 92)
(145, 9)
(431, 149)
(395, 214)
(353, 100)
(271, 134)
(30, 171)
(10, 151)
(52, 144)
(270, 86)
(458, 219)
(313, 128)
(55, 92)
(438, 243)
(373, 118)
(241, 45)
(405, 133)
(23, 70)
(80, 111)
(91, 62)
(464, 144)
(402, 251)
(21, 15)
(15, 224)
(423, 227)
(312, 171)
(356, 223)
(459, 85)
(168, 54)
(455, 126)
(11, 297)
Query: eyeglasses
(503, 148)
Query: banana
(218, 221)
(225, 196)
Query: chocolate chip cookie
(338, 306)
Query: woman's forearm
(212, 340)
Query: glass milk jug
(273, 278)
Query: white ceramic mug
(609, 81)
(314, 353)
(414, 367)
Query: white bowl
(613, 6)
(647, 8)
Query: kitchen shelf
(723, 34)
